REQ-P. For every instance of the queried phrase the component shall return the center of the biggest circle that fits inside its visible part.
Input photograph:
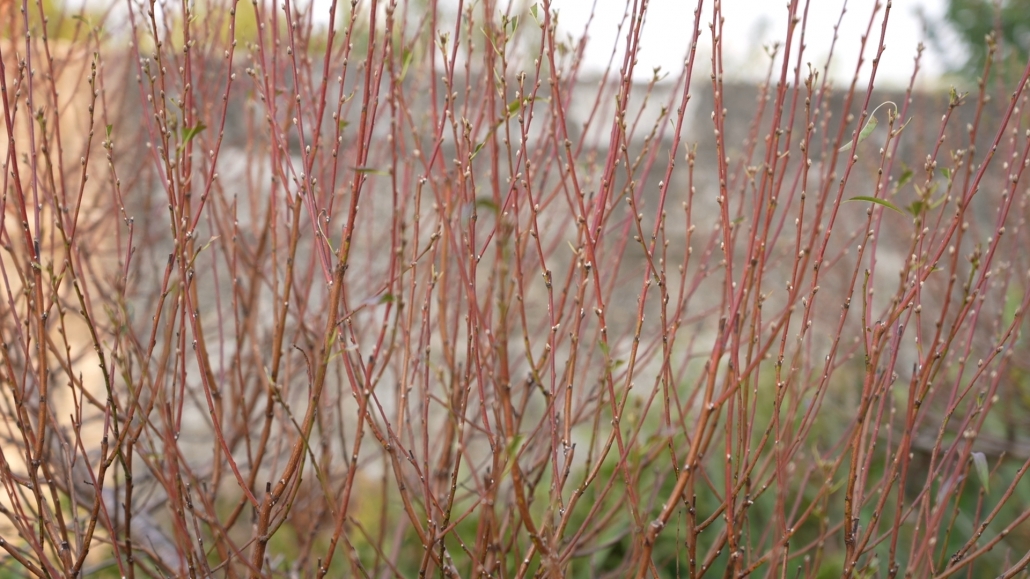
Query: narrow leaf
(905, 177)
(408, 57)
(514, 444)
(488, 204)
(370, 170)
(883, 202)
(866, 131)
(190, 132)
(902, 127)
(980, 462)
(916, 208)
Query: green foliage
(973, 20)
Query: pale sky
(751, 23)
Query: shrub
(408, 292)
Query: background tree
(971, 22)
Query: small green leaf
(925, 193)
(1013, 301)
(189, 133)
(902, 127)
(370, 171)
(387, 298)
(408, 56)
(109, 128)
(533, 10)
(514, 444)
(866, 131)
(514, 105)
(205, 246)
(947, 173)
(980, 462)
(488, 204)
(954, 98)
(476, 150)
(916, 208)
(886, 204)
(905, 177)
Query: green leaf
(408, 56)
(533, 10)
(883, 202)
(189, 133)
(513, 106)
(954, 98)
(488, 204)
(109, 128)
(1013, 301)
(905, 177)
(476, 150)
(205, 246)
(916, 208)
(902, 127)
(980, 462)
(370, 171)
(866, 131)
(513, 445)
